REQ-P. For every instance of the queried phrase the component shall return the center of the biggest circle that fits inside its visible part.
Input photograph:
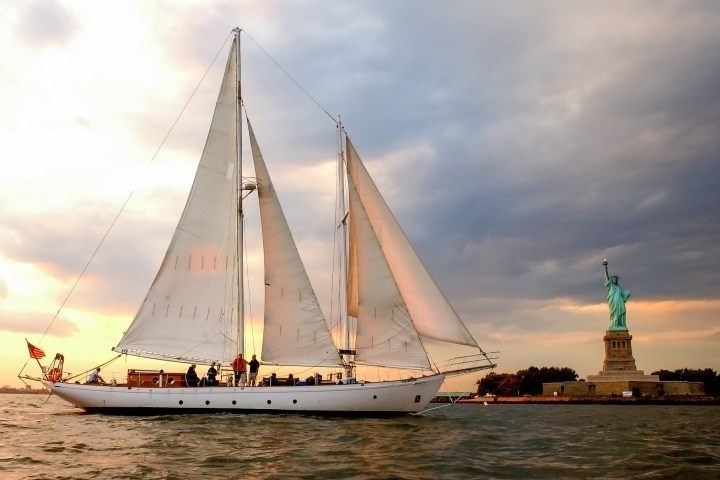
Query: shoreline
(23, 391)
(598, 400)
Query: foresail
(432, 316)
(190, 310)
(295, 331)
(385, 334)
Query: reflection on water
(41, 440)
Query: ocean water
(52, 440)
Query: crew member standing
(254, 367)
(239, 366)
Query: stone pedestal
(618, 352)
(619, 363)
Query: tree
(525, 382)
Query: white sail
(190, 310)
(385, 333)
(295, 331)
(431, 314)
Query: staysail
(295, 331)
(388, 283)
(190, 311)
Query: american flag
(35, 352)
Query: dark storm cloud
(580, 153)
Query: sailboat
(194, 310)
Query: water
(51, 440)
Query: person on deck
(254, 368)
(191, 377)
(95, 377)
(211, 375)
(239, 366)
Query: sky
(518, 143)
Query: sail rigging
(193, 310)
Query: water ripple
(40, 440)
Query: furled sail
(430, 312)
(190, 311)
(295, 331)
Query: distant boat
(194, 310)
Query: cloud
(33, 324)
(46, 24)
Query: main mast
(238, 169)
(347, 353)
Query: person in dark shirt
(254, 367)
(211, 375)
(191, 377)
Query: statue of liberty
(616, 297)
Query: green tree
(528, 381)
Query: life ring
(54, 374)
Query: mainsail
(190, 311)
(389, 289)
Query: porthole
(294, 401)
(155, 380)
(170, 380)
(374, 397)
(180, 402)
(234, 402)
(207, 402)
(269, 402)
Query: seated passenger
(191, 378)
(290, 382)
(211, 374)
(95, 377)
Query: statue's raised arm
(616, 297)
(607, 276)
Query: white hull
(381, 398)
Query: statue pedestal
(619, 362)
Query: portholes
(207, 402)
(170, 380)
(234, 402)
(180, 402)
(269, 402)
(294, 401)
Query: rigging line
(290, 76)
(132, 192)
(102, 365)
